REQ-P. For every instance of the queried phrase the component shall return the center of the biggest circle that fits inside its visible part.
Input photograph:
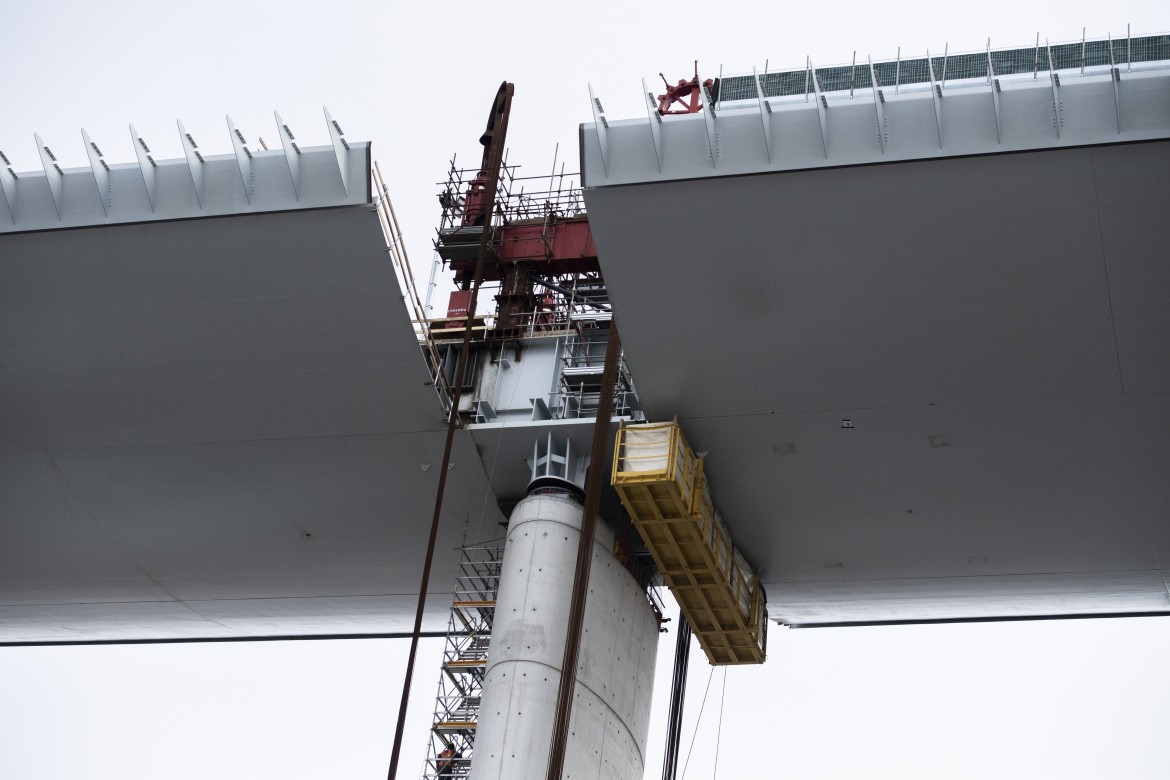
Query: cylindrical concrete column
(615, 673)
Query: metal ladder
(465, 652)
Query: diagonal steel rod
(593, 485)
(493, 139)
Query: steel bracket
(655, 123)
(243, 159)
(879, 100)
(993, 83)
(340, 148)
(101, 171)
(765, 113)
(292, 153)
(936, 96)
(709, 121)
(822, 109)
(8, 186)
(194, 161)
(53, 173)
(146, 165)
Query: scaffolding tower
(465, 652)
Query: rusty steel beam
(593, 487)
(493, 157)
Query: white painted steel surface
(615, 673)
(1093, 110)
(192, 383)
(200, 186)
(216, 422)
(994, 327)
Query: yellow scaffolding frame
(661, 484)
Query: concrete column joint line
(570, 526)
(617, 716)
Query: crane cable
(719, 728)
(702, 705)
(719, 731)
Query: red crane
(686, 93)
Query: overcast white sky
(1053, 699)
(1075, 699)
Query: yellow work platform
(661, 484)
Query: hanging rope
(719, 731)
(702, 706)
